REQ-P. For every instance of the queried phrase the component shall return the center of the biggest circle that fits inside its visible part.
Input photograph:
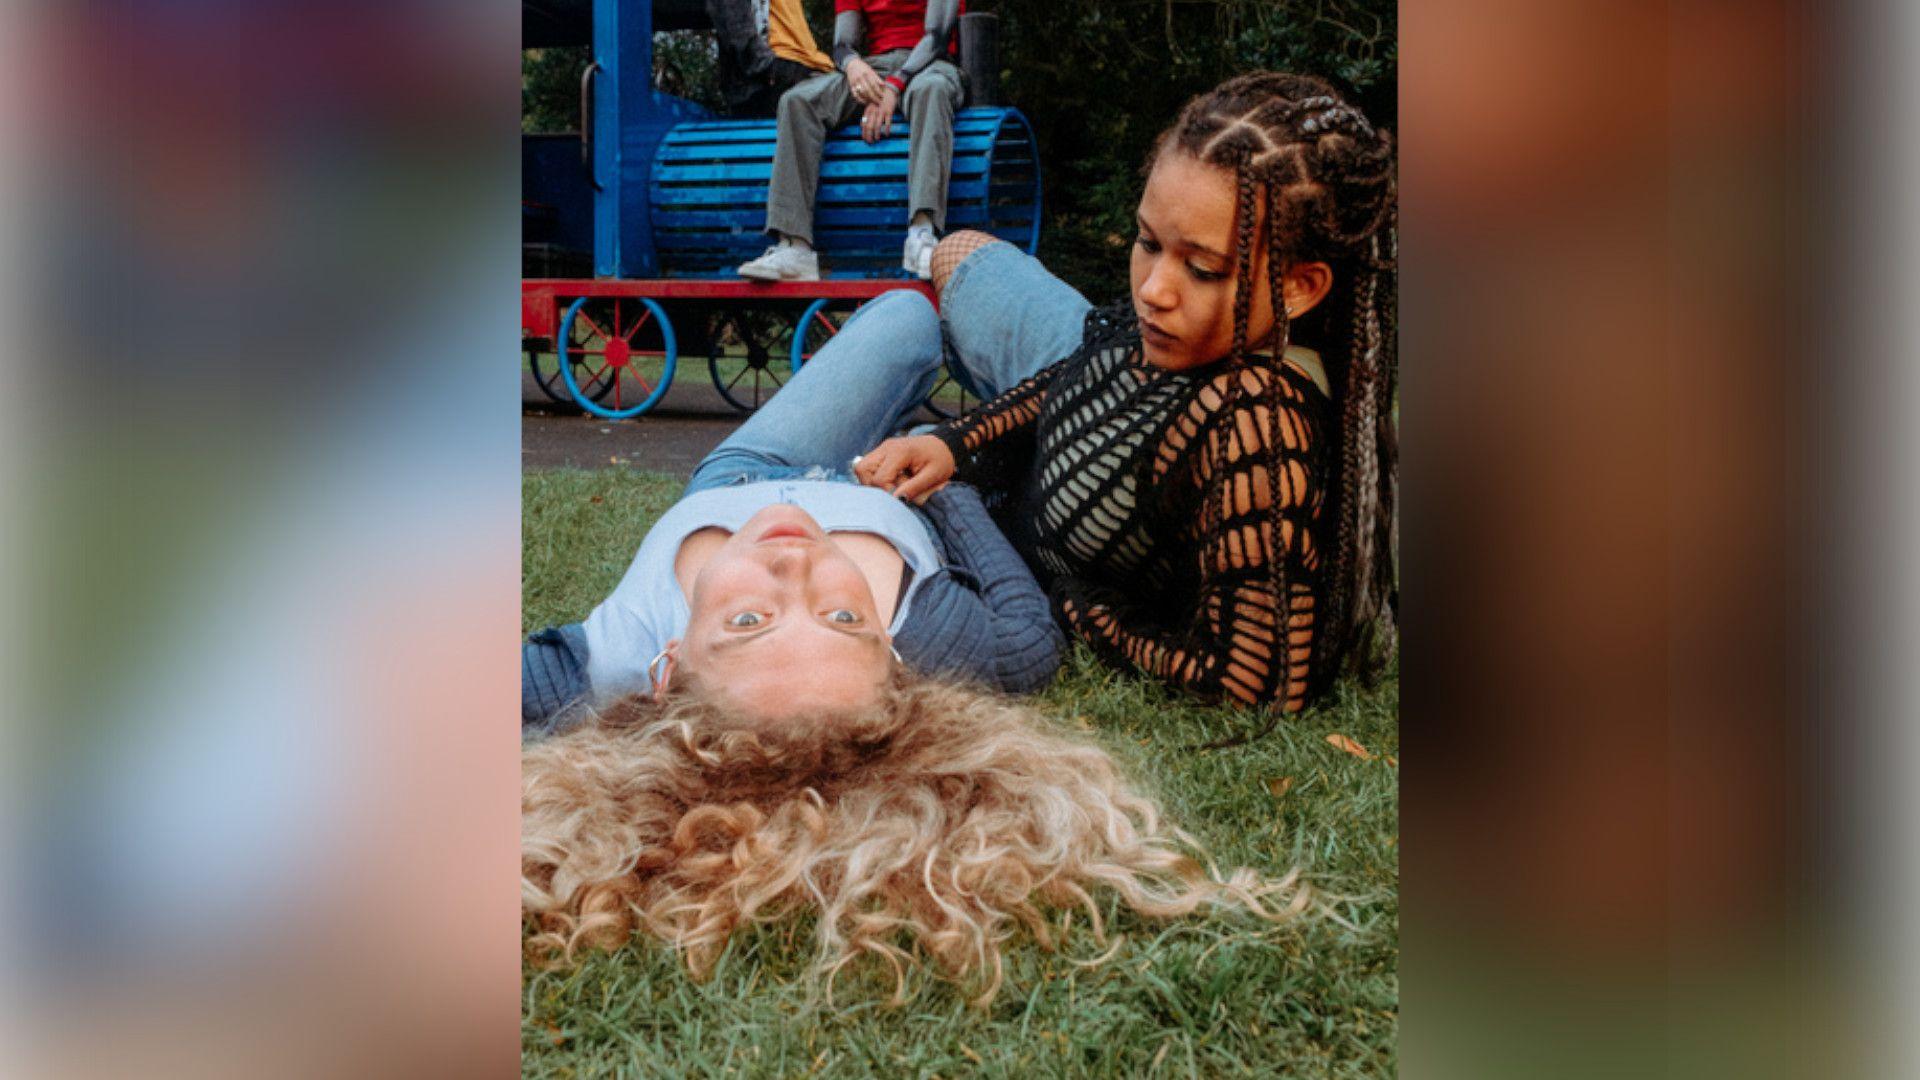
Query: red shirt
(895, 24)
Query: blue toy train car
(633, 226)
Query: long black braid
(1324, 178)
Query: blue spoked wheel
(818, 323)
(546, 374)
(626, 343)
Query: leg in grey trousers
(820, 104)
(806, 113)
(931, 100)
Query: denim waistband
(753, 474)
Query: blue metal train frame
(663, 226)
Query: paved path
(671, 438)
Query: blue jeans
(1003, 318)
(1006, 317)
(856, 391)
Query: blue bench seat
(708, 193)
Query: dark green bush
(1100, 78)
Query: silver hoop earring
(653, 676)
(896, 656)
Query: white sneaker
(784, 262)
(917, 258)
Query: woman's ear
(1304, 285)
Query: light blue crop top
(648, 609)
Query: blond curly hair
(944, 819)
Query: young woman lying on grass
(931, 823)
(1189, 471)
(787, 757)
(793, 587)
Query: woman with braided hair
(1207, 498)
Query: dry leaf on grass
(1278, 786)
(1341, 742)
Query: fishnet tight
(953, 250)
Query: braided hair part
(1323, 179)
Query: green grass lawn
(1207, 997)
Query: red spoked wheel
(626, 341)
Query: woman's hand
(912, 467)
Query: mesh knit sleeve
(988, 440)
(1252, 472)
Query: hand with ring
(876, 122)
(863, 82)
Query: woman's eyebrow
(1181, 241)
(734, 641)
(1203, 249)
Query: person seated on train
(793, 588)
(906, 68)
(765, 49)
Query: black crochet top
(1147, 501)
